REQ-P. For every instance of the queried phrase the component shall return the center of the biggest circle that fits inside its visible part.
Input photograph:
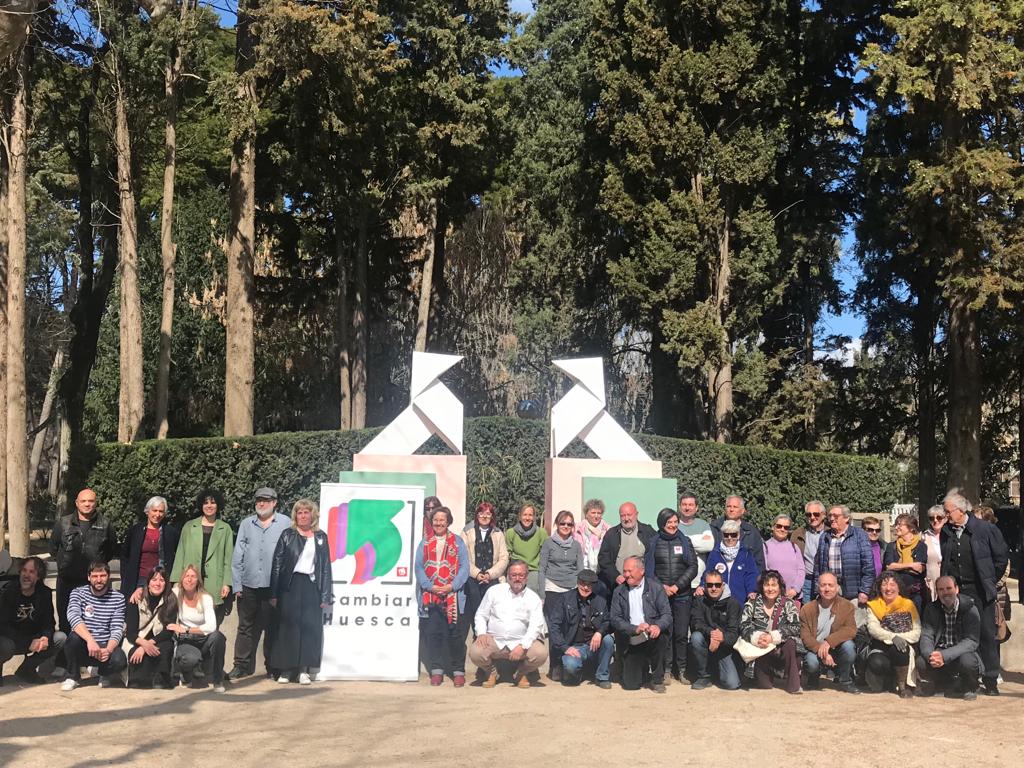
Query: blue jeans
(843, 655)
(572, 666)
(728, 675)
(808, 583)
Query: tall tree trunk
(39, 441)
(168, 248)
(4, 224)
(17, 247)
(239, 368)
(964, 400)
(927, 408)
(427, 278)
(344, 320)
(720, 375)
(360, 322)
(130, 411)
(665, 406)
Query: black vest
(961, 562)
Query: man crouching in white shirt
(509, 626)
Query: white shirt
(509, 618)
(202, 616)
(306, 562)
(636, 604)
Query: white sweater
(201, 617)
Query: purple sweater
(786, 558)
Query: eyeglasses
(730, 535)
(713, 585)
(782, 527)
(565, 525)
(873, 530)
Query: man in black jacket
(735, 509)
(26, 622)
(950, 632)
(714, 630)
(641, 614)
(627, 539)
(79, 539)
(581, 633)
(975, 554)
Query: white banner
(374, 630)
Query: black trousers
(299, 642)
(64, 587)
(10, 645)
(988, 645)
(445, 647)
(475, 592)
(677, 645)
(143, 674)
(76, 653)
(638, 659)
(208, 654)
(552, 608)
(255, 617)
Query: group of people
(715, 602)
(176, 589)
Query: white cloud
(846, 353)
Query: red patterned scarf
(440, 572)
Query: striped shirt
(103, 615)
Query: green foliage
(506, 466)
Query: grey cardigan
(559, 564)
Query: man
(950, 635)
(975, 554)
(827, 630)
(873, 528)
(96, 615)
(627, 539)
(701, 537)
(83, 537)
(714, 630)
(735, 509)
(509, 624)
(581, 633)
(26, 622)
(641, 614)
(251, 565)
(844, 550)
(807, 537)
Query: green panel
(425, 480)
(650, 494)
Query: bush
(506, 467)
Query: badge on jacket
(677, 549)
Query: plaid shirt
(835, 555)
(948, 637)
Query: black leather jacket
(289, 549)
(74, 548)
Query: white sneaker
(93, 671)
(105, 682)
(305, 679)
(219, 688)
(283, 679)
(69, 685)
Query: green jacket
(218, 555)
(527, 550)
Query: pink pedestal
(563, 482)
(450, 472)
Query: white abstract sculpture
(581, 413)
(433, 410)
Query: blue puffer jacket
(858, 563)
(742, 579)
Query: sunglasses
(565, 525)
(713, 585)
(782, 527)
(933, 518)
(730, 535)
(873, 530)
(815, 514)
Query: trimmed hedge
(506, 467)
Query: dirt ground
(258, 722)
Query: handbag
(749, 652)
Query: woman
(442, 570)
(209, 541)
(149, 544)
(300, 588)
(590, 531)
(561, 559)
(524, 542)
(153, 647)
(1002, 606)
(907, 556)
(894, 625)
(782, 555)
(772, 619)
(198, 642)
(932, 539)
(735, 562)
(671, 560)
(488, 559)
(430, 504)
